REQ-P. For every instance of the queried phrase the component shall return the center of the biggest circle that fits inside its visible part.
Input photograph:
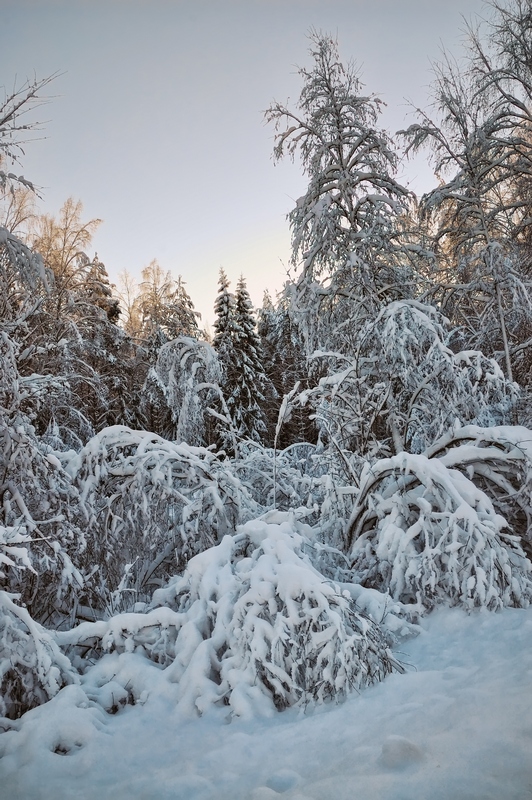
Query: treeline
(112, 346)
(361, 241)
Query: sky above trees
(155, 121)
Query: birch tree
(342, 227)
(480, 144)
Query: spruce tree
(224, 323)
(247, 395)
(224, 341)
(185, 318)
(238, 347)
(99, 291)
(285, 365)
(266, 330)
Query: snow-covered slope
(457, 725)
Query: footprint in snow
(265, 793)
(398, 752)
(283, 780)
(279, 782)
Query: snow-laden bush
(317, 485)
(251, 625)
(404, 386)
(499, 461)
(274, 626)
(272, 481)
(181, 390)
(424, 532)
(23, 277)
(32, 668)
(150, 505)
(37, 499)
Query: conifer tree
(247, 394)
(224, 340)
(285, 365)
(99, 291)
(238, 346)
(186, 316)
(224, 323)
(266, 330)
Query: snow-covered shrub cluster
(38, 500)
(150, 504)
(405, 385)
(32, 667)
(22, 276)
(271, 625)
(424, 531)
(183, 387)
(252, 625)
(316, 483)
(499, 461)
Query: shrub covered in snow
(252, 625)
(404, 386)
(23, 276)
(182, 388)
(37, 499)
(314, 483)
(499, 461)
(423, 531)
(274, 627)
(32, 667)
(150, 505)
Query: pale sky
(156, 124)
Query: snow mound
(283, 780)
(61, 727)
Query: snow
(458, 724)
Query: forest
(260, 516)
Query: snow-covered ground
(456, 726)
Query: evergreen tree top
(224, 310)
